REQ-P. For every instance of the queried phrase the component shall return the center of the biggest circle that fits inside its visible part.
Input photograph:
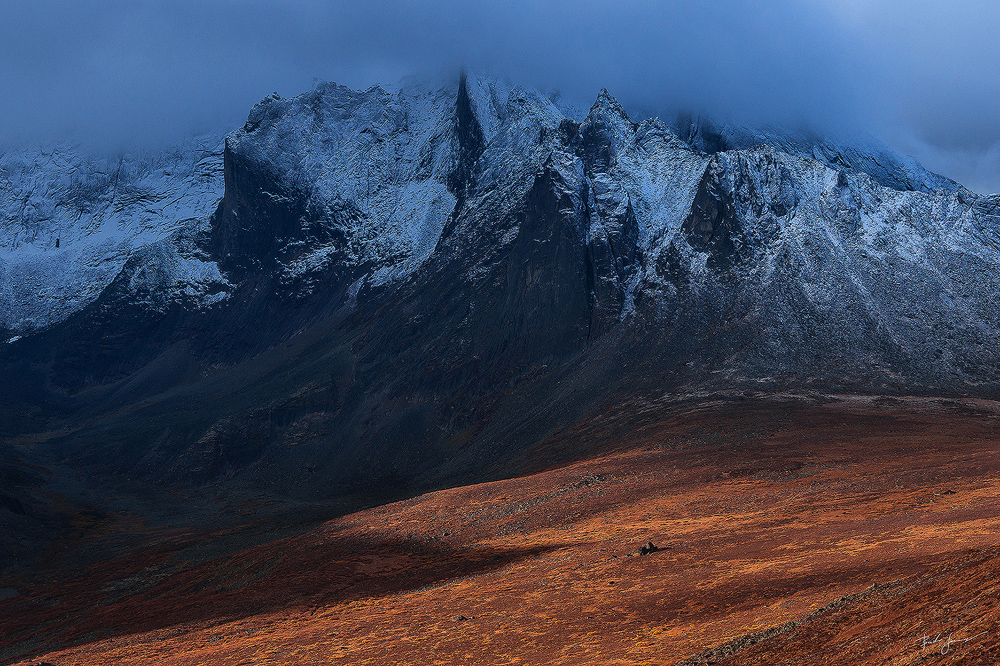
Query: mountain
(72, 219)
(387, 291)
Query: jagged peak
(604, 133)
(607, 107)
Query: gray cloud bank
(923, 74)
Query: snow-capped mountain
(69, 221)
(387, 289)
(850, 255)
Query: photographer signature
(946, 643)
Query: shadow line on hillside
(280, 575)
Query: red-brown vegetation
(763, 512)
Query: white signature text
(946, 643)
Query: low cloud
(923, 74)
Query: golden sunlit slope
(763, 512)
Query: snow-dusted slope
(860, 152)
(795, 244)
(69, 221)
(368, 177)
(767, 263)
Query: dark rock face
(713, 226)
(416, 287)
(547, 295)
(701, 134)
(257, 218)
(468, 135)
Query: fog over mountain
(923, 75)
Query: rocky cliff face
(404, 288)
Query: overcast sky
(923, 74)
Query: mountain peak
(607, 105)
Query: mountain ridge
(406, 290)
